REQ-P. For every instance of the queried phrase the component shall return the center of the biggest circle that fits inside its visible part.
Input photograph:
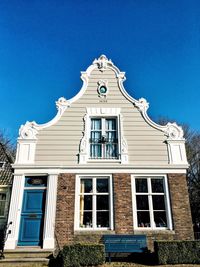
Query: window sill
(154, 230)
(103, 160)
(94, 231)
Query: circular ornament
(103, 90)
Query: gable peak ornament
(102, 62)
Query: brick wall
(64, 228)
(181, 213)
(123, 215)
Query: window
(151, 202)
(2, 204)
(103, 138)
(94, 203)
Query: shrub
(83, 254)
(177, 252)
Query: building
(6, 178)
(100, 166)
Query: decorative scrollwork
(28, 131)
(62, 103)
(174, 132)
(142, 104)
(102, 62)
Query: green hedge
(177, 252)
(83, 254)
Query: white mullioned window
(93, 203)
(104, 138)
(151, 202)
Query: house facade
(101, 166)
(6, 178)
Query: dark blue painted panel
(31, 226)
(33, 201)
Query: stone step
(24, 262)
(27, 253)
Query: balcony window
(103, 138)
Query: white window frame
(84, 155)
(77, 204)
(167, 203)
(103, 133)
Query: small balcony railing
(104, 148)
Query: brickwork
(181, 213)
(64, 229)
(123, 215)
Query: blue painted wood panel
(31, 226)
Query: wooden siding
(59, 144)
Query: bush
(177, 252)
(83, 254)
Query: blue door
(32, 217)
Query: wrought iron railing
(3, 237)
(104, 148)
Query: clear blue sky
(45, 44)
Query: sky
(45, 44)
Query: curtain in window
(95, 147)
(82, 190)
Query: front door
(32, 215)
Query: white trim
(167, 203)
(15, 211)
(45, 170)
(50, 213)
(77, 204)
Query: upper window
(151, 203)
(103, 138)
(94, 203)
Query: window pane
(2, 196)
(102, 203)
(95, 137)
(86, 219)
(111, 137)
(111, 151)
(158, 202)
(95, 151)
(110, 124)
(2, 207)
(141, 185)
(86, 186)
(102, 185)
(143, 219)
(142, 202)
(102, 219)
(95, 124)
(85, 202)
(157, 185)
(160, 218)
